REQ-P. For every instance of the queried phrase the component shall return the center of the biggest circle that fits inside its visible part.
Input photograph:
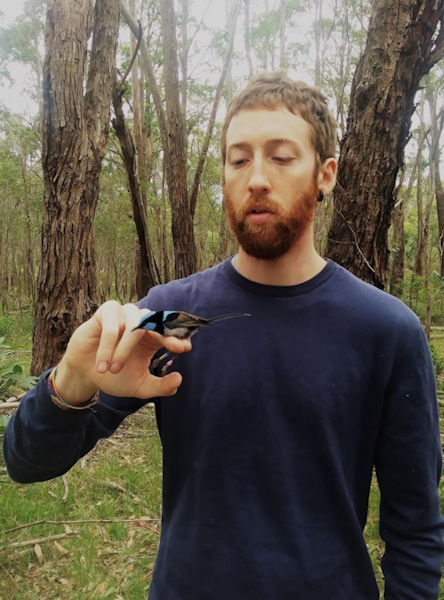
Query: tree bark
(420, 244)
(75, 129)
(398, 257)
(401, 48)
(440, 209)
(318, 34)
(147, 267)
(184, 61)
(436, 131)
(247, 38)
(282, 34)
(427, 253)
(135, 159)
(175, 157)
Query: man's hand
(104, 353)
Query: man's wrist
(74, 390)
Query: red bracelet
(58, 400)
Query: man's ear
(326, 178)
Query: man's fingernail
(116, 367)
(103, 367)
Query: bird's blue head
(153, 320)
(148, 322)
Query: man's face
(270, 186)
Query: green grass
(120, 479)
(371, 534)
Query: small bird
(178, 323)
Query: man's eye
(239, 161)
(282, 159)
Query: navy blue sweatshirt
(270, 443)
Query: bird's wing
(183, 319)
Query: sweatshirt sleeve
(408, 467)
(42, 441)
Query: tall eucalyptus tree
(77, 91)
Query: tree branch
(51, 538)
(438, 52)
(198, 27)
(211, 122)
(149, 72)
(79, 522)
(133, 58)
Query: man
(278, 419)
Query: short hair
(274, 90)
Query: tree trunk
(226, 236)
(427, 254)
(184, 61)
(232, 18)
(29, 255)
(175, 157)
(420, 244)
(135, 160)
(397, 270)
(38, 68)
(401, 48)
(318, 33)
(398, 258)
(137, 99)
(440, 209)
(247, 38)
(282, 34)
(75, 129)
(436, 130)
(147, 272)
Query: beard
(276, 237)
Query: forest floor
(94, 534)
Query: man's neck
(298, 265)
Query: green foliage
(16, 40)
(21, 193)
(12, 375)
(438, 360)
(6, 323)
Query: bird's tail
(230, 316)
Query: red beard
(274, 238)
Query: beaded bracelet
(58, 401)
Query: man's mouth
(259, 215)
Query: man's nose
(259, 181)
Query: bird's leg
(166, 355)
(155, 363)
(166, 366)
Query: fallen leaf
(38, 553)
(101, 588)
(68, 530)
(60, 548)
(63, 581)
